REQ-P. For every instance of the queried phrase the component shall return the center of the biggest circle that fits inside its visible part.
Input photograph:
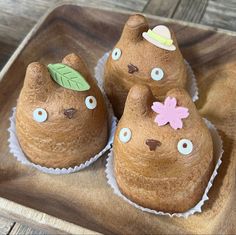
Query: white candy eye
(116, 54)
(40, 115)
(185, 146)
(157, 74)
(125, 135)
(91, 102)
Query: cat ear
(37, 82)
(184, 100)
(134, 27)
(75, 62)
(139, 100)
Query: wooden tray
(67, 203)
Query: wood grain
(84, 198)
(221, 14)
(187, 10)
(190, 10)
(37, 220)
(165, 8)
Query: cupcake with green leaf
(62, 118)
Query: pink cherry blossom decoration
(169, 113)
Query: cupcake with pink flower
(163, 151)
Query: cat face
(55, 121)
(135, 60)
(157, 149)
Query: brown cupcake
(143, 56)
(56, 126)
(165, 167)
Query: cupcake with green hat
(144, 55)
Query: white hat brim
(158, 44)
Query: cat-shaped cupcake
(163, 151)
(57, 126)
(143, 56)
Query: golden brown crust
(162, 179)
(63, 140)
(145, 56)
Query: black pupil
(184, 145)
(157, 72)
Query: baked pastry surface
(136, 60)
(161, 166)
(56, 126)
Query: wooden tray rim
(34, 217)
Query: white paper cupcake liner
(217, 153)
(191, 81)
(17, 152)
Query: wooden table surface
(17, 17)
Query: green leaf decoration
(68, 77)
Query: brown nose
(152, 144)
(69, 113)
(132, 68)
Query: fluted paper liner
(217, 154)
